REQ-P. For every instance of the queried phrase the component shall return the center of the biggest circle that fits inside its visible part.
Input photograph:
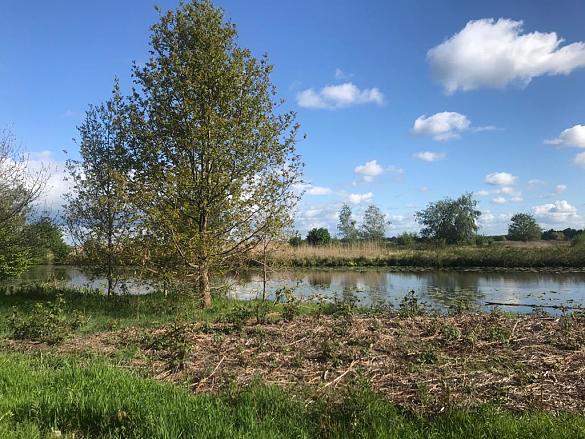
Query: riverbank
(158, 366)
(545, 256)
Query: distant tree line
(373, 228)
(446, 222)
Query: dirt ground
(425, 363)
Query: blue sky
(403, 102)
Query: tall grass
(381, 255)
(48, 396)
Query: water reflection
(438, 289)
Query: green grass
(84, 396)
(100, 313)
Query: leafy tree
(99, 212)
(347, 225)
(295, 240)
(523, 227)
(406, 239)
(216, 164)
(449, 220)
(374, 224)
(44, 237)
(20, 186)
(318, 236)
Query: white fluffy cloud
(360, 198)
(574, 136)
(499, 200)
(368, 171)
(310, 189)
(559, 212)
(501, 179)
(429, 156)
(441, 126)
(339, 96)
(560, 188)
(494, 53)
(580, 159)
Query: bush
(318, 236)
(46, 322)
(406, 239)
(579, 241)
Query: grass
(497, 255)
(158, 366)
(47, 396)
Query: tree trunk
(204, 288)
(110, 282)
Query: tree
(374, 224)
(347, 225)
(44, 238)
(99, 212)
(318, 236)
(523, 227)
(449, 220)
(216, 164)
(20, 187)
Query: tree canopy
(215, 160)
(20, 186)
(453, 221)
(374, 224)
(523, 227)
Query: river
(438, 289)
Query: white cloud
(369, 170)
(580, 159)
(423, 189)
(499, 200)
(560, 188)
(574, 136)
(429, 156)
(310, 189)
(341, 75)
(339, 96)
(360, 198)
(501, 179)
(441, 126)
(481, 193)
(559, 212)
(535, 182)
(494, 53)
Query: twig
(212, 373)
(340, 377)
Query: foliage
(99, 213)
(454, 221)
(64, 396)
(579, 241)
(406, 239)
(295, 240)
(19, 188)
(44, 237)
(215, 163)
(318, 236)
(567, 234)
(347, 225)
(374, 224)
(523, 227)
(46, 322)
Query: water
(437, 289)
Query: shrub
(406, 239)
(46, 322)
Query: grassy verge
(48, 396)
(494, 256)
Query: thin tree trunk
(109, 285)
(204, 288)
